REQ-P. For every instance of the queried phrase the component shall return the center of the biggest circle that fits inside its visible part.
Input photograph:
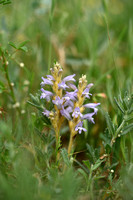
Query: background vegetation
(92, 37)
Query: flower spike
(68, 103)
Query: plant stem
(70, 144)
(57, 135)
(118, 130)
(120, 127)
(9, 82)
(5, 67)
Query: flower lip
(68, 102)
(46, 82)
(46, 112)
(50, 77)
(89, 85)
(65, 113)
(62, 85)
(46, 94)
(72, 86)
(72, 95)
(69, 109)
(77, 112)
(69, 78)
(86, 93)
(58, 102)
(79, 127)
(92, 106)
(89, 117)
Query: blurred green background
(92, 37)
(86, 37)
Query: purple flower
(58, 102)
(89, 117)
(50, 77)
(72, 86)
(69, 78)
(46, 82)
(76, 112)
(72, 95)
(89, 85)
(65, 113)
(92, 106)
(62, 85)
(79, 127)
(68, 102)
(86, 93)
(69, 109)
(46, 112)
(46, 94)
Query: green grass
(92, 37)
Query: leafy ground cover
(93, 38)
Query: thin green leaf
(81, 171)
(130, 110)
(87, 163)
(2, 87)
(82, 166)
(13, 45)
(23, 43)
(42, 136)
(127, 129)
(130, 117)
(89, 148)
(34, 99)
(64, 155)
(109, 124)
(97, 164)
(114, 165)
(35, 105)
(24, 48)
(118, 105)
(120, 99)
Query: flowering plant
(68, 103)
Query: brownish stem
(70, 144)
(5, 66)
(57, 145)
